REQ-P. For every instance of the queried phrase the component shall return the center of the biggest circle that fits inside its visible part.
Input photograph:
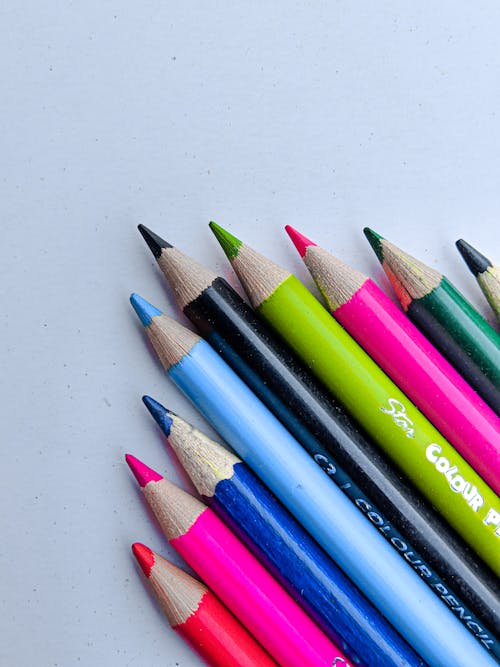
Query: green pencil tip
(230, 244)
(375, 240)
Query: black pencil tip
(155, 242)
(476, 262)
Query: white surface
(329, 116)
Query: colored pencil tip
(230, 244)
(159, 413)
(145, 557)
(155, 242)
(142, 473)
(300, 241)
(145, 311)
(476, 262)
(375, 240)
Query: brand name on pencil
(457, 483)
(398, 413)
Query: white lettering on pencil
(457, 483)
(398, 413)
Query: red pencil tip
(142, 473)
(300, 241)
(145, 557)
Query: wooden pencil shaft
(338, 445)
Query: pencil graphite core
(331, 519)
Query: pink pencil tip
(300, 241)
(145, 557)
(142, 473)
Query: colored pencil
(281, 463)
(445, 317)
(408, 358)
(408, 437)
(237, 496)
(486, 274)
(235, 575)
(332, 438)
(198, 616)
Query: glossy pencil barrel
(263, 607)
(469, 343)
(219, 638)
(324, 511)
(386, 413)
(271, 533)
(340, 447)
(425, 377)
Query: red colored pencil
(198, 617)
(235, 576)
(406, 355)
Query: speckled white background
(325, 115)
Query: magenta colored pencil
(399, 348)
(235, 575)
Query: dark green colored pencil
(445, 317)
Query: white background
(326, 115)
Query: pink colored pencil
(198, 617)
(235, 576)
(399, 348)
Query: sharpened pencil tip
(229, 243)
(159, 413)
(375, 240)
(145, 557)
(145, 311)
(142, 473)
(476, 262)
(155, 242)
(300, 241)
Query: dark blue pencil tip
(159, 413)
(145, 311)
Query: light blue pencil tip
(161, 415)
(145, 311)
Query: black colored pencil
(486, 274)
(329, 435)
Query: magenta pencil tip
(142, 473)
(300, 241)
(145, 557)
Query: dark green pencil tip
(476, 262)
(230, 244)
(375, 240)
(155, 242)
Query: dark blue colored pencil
(283, 546)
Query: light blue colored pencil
(281, 463)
